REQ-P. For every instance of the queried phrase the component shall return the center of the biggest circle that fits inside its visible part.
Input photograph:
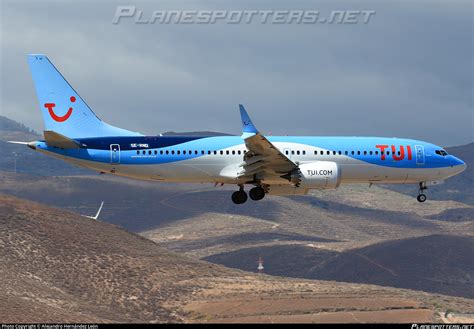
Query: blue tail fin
(64, 111)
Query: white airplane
(279, 165)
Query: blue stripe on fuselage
(127, 142)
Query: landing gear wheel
(239, 197)
(421, 197)
(257, 193)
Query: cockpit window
(441, 152)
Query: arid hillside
(437, 263)
(64, 266)
(58, 266)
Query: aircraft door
(420, 154)
(114, 153)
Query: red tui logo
(53, 115)
(397, 156)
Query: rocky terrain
(57, 266)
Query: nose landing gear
(421, 196)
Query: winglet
(248, 128)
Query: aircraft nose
(458, 163)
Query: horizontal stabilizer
(53, 138)
(15, 142)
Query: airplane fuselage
(219, 159)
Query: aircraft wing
(263, 161)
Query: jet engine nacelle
(320, 175)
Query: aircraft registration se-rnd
(278, 165)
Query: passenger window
(227, 152)
(167, 152)
(358, 152)
(352, 152)
(370, 152)
(239, 152)
(222, 152)
(345, 152)
(365, 152)
(143, 152)
(138, 152)
(172, 151)
(215, 152)
(184, 152)
(293, 152)
(178, 152)
(304, 152)
(161, 152)
(298, 152)
(156, 152)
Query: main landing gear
(239, 197)
(256, 193)
(421, 196)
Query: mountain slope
(437, 263)
(84, 269)
(60, 267)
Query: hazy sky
(407, 73)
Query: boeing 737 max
(280, 165)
